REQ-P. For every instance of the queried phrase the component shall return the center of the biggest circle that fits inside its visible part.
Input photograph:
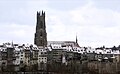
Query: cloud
(99, 26)
(93, 25)
(17, 33)
(90, 14)
(21, 12)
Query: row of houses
(90, 53)
(26, 57)
(21, 56)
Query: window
(21, 61)
(21, 52)
(40, 33)
(41, 24)
(21, 55)
(100, 52)
(45, 53)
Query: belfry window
(40, 33)
(41, 24)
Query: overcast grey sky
(96, 22)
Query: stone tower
(40, 35)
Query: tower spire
(76, 39)
(76, 42)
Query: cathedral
(41, 36)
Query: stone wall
(104, 67)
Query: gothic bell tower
(40, 35)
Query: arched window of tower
(41, 33)
(41, 24)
